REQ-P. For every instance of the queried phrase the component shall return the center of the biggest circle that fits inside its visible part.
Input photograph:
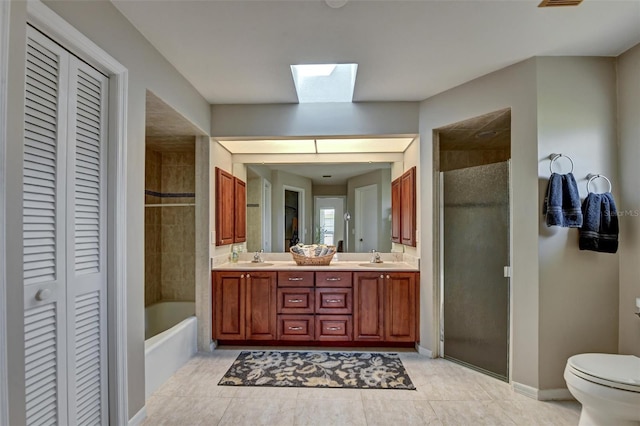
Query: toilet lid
(615, 369)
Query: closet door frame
(43, 18)
(5, 8)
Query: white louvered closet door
(64, 238)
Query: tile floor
(447, 394)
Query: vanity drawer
(293, 300)
(295, 279)
(334, 300)
(333, 279)
(334, 327)
(295, 327)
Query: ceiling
(239, 51)
(486, 132)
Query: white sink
(383, 265)
(253, 264)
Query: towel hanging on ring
(561, 205)
(600, 229)
(562, 202)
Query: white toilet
(607, 386)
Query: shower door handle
(507, 271)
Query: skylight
(324, 82)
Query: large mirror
(347, 205)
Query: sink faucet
(257, 258)
(376, 257)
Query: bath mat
(361, 370)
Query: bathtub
(171, 340)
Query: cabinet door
(261, 305)
(368, 294)
(229, 314)
(396, 203)
(240, 215)
(225, 207)
(400, 307)
(408, 207)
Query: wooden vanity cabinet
(225, 207)
(400, 308)
(230, 305)
(245, 305)
(322, 306)
(368, 294)
(240, 213)
(296, 327)
(334, 328)
(231, 209)
(385, 306)
(403, 209)
(408, 208)
(396, 213)
(261, 305)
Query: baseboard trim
(555, 395)
(424, 351)
(525, 390)
(139, 417)
(542, 395)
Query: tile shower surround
(169, 231)
(447, 394)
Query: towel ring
(554, 157)
(592, 177)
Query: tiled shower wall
(170, 231)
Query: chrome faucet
(376, 257)
(257, 258)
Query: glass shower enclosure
(475, 290)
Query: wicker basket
(302, 260)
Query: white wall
(629, 203)
(513, 87)
(366, 118)
(105, 26)
(576, 117)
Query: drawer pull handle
(295, 328)
(333, 279)
(333, 300)
(296, 279)
(333, 328)
(295, 300)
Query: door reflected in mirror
(307, 203)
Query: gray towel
(562, 202)
(599, 231)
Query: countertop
(353, 266)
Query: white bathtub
(171, 340)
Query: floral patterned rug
(362, 370)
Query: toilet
(607, 386)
